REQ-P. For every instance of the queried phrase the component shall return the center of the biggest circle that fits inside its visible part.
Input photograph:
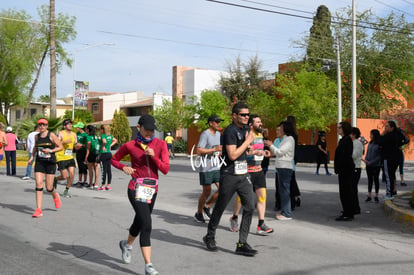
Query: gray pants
(229, 184)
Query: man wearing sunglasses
(234, 177)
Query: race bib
(258, 158)
(68, 152)
(240, 167)
(145, 189)
(43, 155)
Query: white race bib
(258, 158)
(68, 152)
(240, 167)
(43, 155)
(144, 193)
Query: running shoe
(150, 270)
(207, 211)
(403, 184)
(126, 251)
(66, 194)
(234, 225)
(388, 197)
(264, 230)
(245, 249)
(210, 243)
(283, 218)
(102, 188)
(28, 178)
(38, 213)
(108, 188)
(198, 217)
(368, 199)
(58, 202)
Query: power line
(393, 8)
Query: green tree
(212, 102)
(80, 115)
(310, 97)
(26, 126)
(267, 107)
(242, 79)
(174, 115)
(44, 98)
(385, 61)
(19, 47)
(120, 128)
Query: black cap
(66, 121)
(148, 122)
(214, 118)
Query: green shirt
(82, 139)
(95, 146)
(107, 147)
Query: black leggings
(142, 224)
(106, 166)
(373, 177)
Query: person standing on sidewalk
(255, 157)
(3, 140)
(322, 156)
(91, 157)
(30, 146)
(81, 153)
(46, 145)
(107, 141)
(10, 150)
(357, 152)
(234, 178)
(64, 158)
(373, 162)
(209, 147)
(148, 156)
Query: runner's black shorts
(45, 167)
(65, 164)
(258, 179)
(208, 178)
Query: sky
(132, 45)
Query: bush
(180, 146)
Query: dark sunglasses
(42, 124)
(244, 114)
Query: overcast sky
(149, 37)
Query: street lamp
(74, 71)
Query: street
(82, 237)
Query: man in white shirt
(29, 147)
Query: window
(95, 108)
(32, 112)
(18, 114)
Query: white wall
(197, 80)
(112, 102)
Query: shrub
(180, 146)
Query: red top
(160, 161)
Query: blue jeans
(284, 186)
(29, 166)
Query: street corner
(400, 209)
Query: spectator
(30, 146)
(107, 141)
(373, 164)
(322, 157)
(11, 151)
(3, 140)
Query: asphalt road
(82, 237)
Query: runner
(209, 147)
(46, 145)
(169, 139)
(148, 155)
(234, 178)
(258, 178)
(65, 161)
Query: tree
(44, 98)
(309, 96)
(242, 79)
(26, 126)
(174, 115)
(19, 47)
(267, 107)
(320, 46)
(80, 115)
(120, 128)
(212, 102)
(385, 62)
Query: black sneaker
(368, 199)
(198, 217)
(376, 199)
(403, 184)
(245, 250)
(207, 211)
(210, 243)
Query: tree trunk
(52, 60)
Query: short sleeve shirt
(82, 139)
(107, 147)
(233, 135)
(209, 141)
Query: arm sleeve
(163, 163)
(285, 147)
(116, 158)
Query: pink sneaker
(108, 188)
(102, 188)
(58, 202)
(38, 213)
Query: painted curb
(398, 213)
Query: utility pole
(52, 60)
(338, 81)
(354, 72)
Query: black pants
(80, 159)
(346, 192)
(106, 167)
(229, 184)
(142, 224)
(373, 177)
(277, 192)
(11, 163)
(356, 178)
(390, 167)
(294, 190)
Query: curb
(398, 213)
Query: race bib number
(144, 193)
(258, 158)
(43, 155)
(68, 152)
(240, 167)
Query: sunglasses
(244, 114)
(42, 124)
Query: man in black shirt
(235, 178)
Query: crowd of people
(246, 151)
